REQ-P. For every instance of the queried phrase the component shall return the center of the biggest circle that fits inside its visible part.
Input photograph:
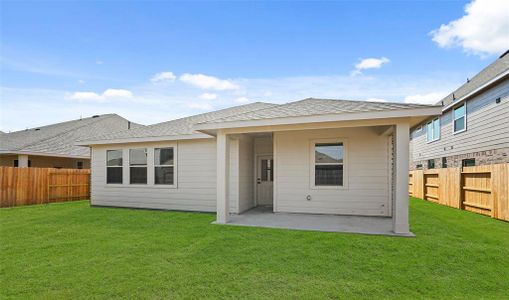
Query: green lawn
(71, 250)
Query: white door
(264, 180)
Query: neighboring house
(474, 126)
(311, 156)
(53, 146)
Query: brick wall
(489, 157)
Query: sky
(154, 61)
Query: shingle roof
(312, 106)
(60, 138)
(495, 69)
(183, 126)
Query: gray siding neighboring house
(53, 146)
(481, 138)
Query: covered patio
(337, 166)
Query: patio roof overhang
(353, 119)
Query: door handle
(258, 181)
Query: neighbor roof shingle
(495, 69)
(60, 138)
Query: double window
(138, 166)
(460, 118)
(433, 130)
(328, 164)
(114, 166)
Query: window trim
(464, 116)
(312, 144)
(121, 166)
(137, 166)
(433, 128)
(174, 165)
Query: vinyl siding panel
(487, 128)
(367, 175)
(195, 188)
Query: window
(114, 166)
(431, 163)
(433, 130)
(138, 166)
(164, 166)
(418, 166)
(460, 118)
(444, 162)
(79, 165)
(469, 162)
(267, 170)
(328, 164)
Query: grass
(70, 250)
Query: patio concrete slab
(264, 217)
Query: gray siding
(487, 128)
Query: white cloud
(369, 63)
(242, 100)
(109, 93)
(117, 93)
(99, 62)
(208, 96)
(163, 77)
(431, 98)
(484, 29)
(376, 100)
(200, 106)
(86, 96)
(208, 82)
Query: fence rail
(26, 186)
(481, 189)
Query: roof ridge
(59, 123)
(67, 131)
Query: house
(473, 128)
(314, 156)
(53, 146)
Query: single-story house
(53, 146)
(314, 156)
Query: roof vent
(453, 96)
(95, 116)
(468, 80)
(37, 129)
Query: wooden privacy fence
(26, 186)
(481, 189)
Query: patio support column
(223, 167)
(22, 161)
(401, 159)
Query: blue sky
(155, 61)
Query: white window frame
(454, 119)
(121, 166)
(312, 164)
(174, 165)
(137, 166)
(433, 138)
